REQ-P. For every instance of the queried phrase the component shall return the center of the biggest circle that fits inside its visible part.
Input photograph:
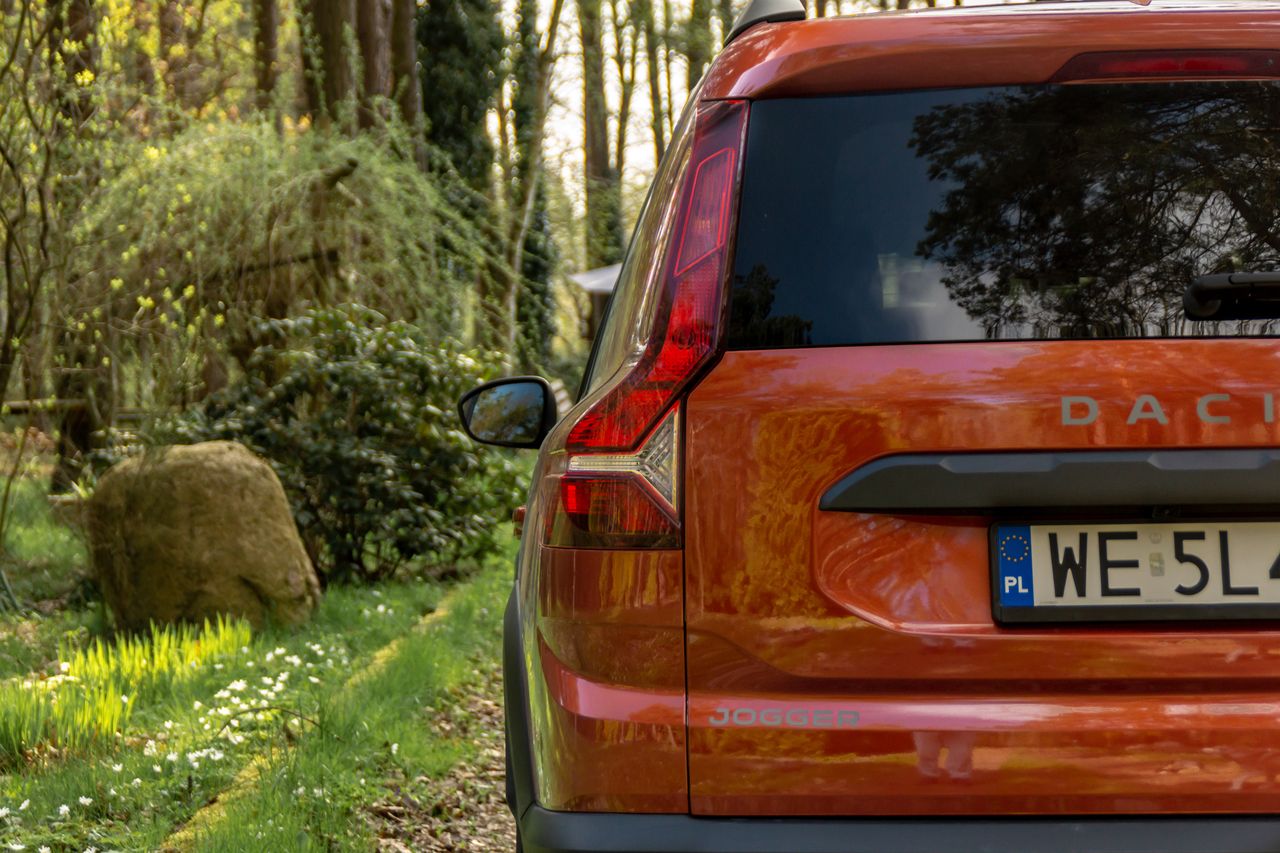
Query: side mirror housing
(514, 412)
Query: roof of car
(974, 46)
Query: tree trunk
(667, 19)
(404, 60)
(330, 82)
(373, 21)
(174, 58)
(724, 11)
(143, 71)
(82, 376)
(653, 69)
(626, 38)
(71, 23)
(698, 41)
(266, 51)
(603, 226)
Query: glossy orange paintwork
(776, 607)
(610, 665)
(982, 46)
(891, 616)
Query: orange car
(924, 489)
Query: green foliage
(356, 415)
(535, 301)
(464, 41)
(195, 239)
(377, 738)
(90, 700)
(46, 557)
(184, 744)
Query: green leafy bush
(356, 415)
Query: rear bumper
(563, 832)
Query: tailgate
(845, 662)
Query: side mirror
(515, 412)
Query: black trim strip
(516, 711)
(561, 832)
(983, 482)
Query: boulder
(180, 534)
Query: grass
(309, 797)
(117, 742)
(46, 561)
(285, 702)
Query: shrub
(356, 415)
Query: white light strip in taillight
(655, 462)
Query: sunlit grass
(187, 736)
(89, 701)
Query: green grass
(47, 564)
(186, 739)
(47, 558)
(310, 796)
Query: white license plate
(1139, 572)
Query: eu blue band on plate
(1013, 546)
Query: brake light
(618, 485)
(1177, 64)
(686, 330)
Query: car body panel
(890, 616)
(984, 46)
(779, 608)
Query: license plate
(1135, 572)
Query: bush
(357, 417)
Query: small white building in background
(598, 284)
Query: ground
(466, 809)
(377, 726)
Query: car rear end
(914, 501)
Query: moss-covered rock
(185, 533)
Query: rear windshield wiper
(1233, 296)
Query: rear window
(1013, 213)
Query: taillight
(619, 487)
(1174, 64)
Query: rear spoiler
(765, 12)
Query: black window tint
(1004, 213)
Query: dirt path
(467, 809)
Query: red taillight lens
(609, 512)
(617, 485)
(1136, 65)
(686, 330)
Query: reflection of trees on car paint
(1085, 210)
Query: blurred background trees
(173, 173)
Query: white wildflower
(86, 801)
(117, 767)
(395, 748)
(64, 810)
(23, 807)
